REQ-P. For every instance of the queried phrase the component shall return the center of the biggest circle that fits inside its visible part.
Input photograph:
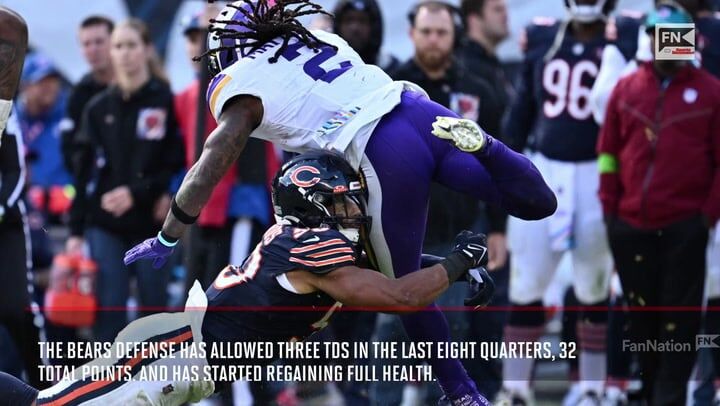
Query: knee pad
(523, 316)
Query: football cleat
(465, 134)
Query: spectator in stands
(41, 107)
(660, 190)
(128, 147)
(360, 23)
(449, 83)
(94, 37)
(15, 286)
(486, 26)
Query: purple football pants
(401, 159)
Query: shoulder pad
(540, 35)
(320, 250)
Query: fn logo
(707, 341)
(675, 41)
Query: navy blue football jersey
(553, 91)
(260, 307)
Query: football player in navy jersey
(309, 262)
(562, 59)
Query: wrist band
(166, 240)
(181, 215)
(455, 265)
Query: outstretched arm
(237, 121)
(353, 286)
(239, 118)
(360, 287)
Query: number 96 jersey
(323, 99)
(256, 302)
(553, 95)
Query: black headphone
(455, 13)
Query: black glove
(470, 252)
(473, 247)
(482, 288)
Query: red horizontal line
(387, 308)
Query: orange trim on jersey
(213, 98)
(96, 385)
(327, 243)
(331, 261)
(346, 250)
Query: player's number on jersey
(565, 84)
(312, 67)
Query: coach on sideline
(659, 158)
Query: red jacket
(214, 214)
(666, 148)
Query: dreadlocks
(265, 23)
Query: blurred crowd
(635, 168)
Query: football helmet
(321, 189)
(587, 13)
(229, 50)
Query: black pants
(14, 306)
(662, 268)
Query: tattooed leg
(13, 45)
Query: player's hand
(152, 248)
(465, 134)
(482, 288)
(473, 247)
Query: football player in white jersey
(306, 90)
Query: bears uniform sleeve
(315, 250)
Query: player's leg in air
(401, 159)
(13, 45)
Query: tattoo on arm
(222, 149)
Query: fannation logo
(675, 41)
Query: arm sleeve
(711, 208)
(316, 250)
(608, 149)
(520, 118)
(173, 155)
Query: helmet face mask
(320, 189)
(222, 58)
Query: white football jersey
(328, 99)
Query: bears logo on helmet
(333, 196)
